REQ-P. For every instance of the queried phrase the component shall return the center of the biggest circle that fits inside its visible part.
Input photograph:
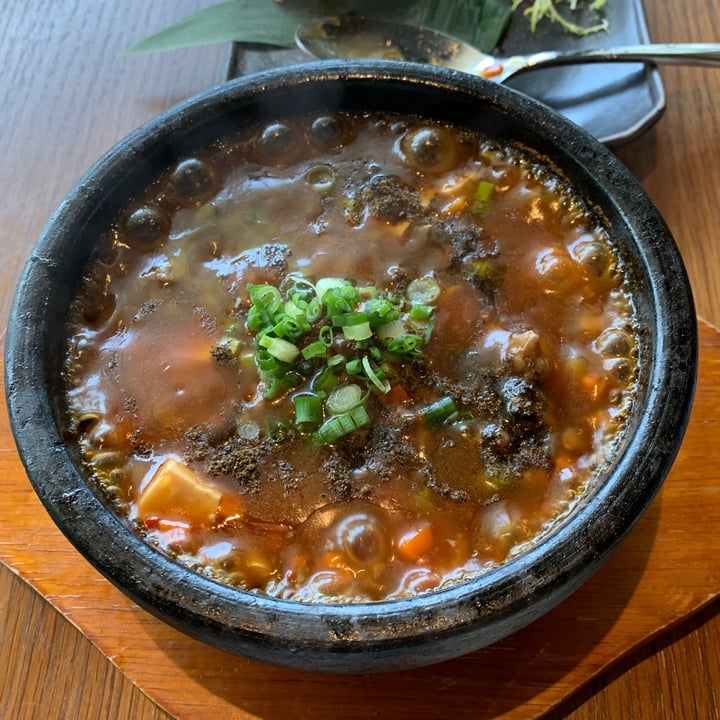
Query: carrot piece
(416, 542)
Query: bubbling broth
(351, 357)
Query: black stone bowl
(375, 636)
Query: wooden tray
(668, 567)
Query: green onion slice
(380, 311)
(281, 349)
(324, 284)
(484, 191)
(324, 381)
(336, 361)
(382, 385)
(340, 425)
(439, 411)
(325, 335)
(277, 386)
(347, 319)
(421, 312)
(393, 329)
(404, 344)
(424, 290)
(343, 398)
(314, 350)
(358, 332)
(308, 411)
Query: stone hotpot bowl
(362, 637)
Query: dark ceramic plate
(615, 102)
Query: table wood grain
(68, 94)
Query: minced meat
(386, 198)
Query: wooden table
(68, 95)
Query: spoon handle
(669, 53)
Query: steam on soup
(351, 358)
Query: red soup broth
(351, 358)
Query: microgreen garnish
(538, 10)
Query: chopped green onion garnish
(308, 411)
(325, 335)
(343, 398)
(340, 425)
(361, 331)
(314, 350)
(295, 284)
(294, 310)
(336, 303)
(279, 348)
(324, 381)
(382, 385)
(367, 292)
(266, 301)
(359, 416)
(376, 352)
(291, 328)
(266, 362)
(279, 385)
(324, 284)
(404, 344)
(268, 296)
(294, 337)
(381, 311)
(389, 373)
(439, 411)
(391, 330)
(339, 298)
(424, 290)
(421, 312)
(484, 191)
(346, 319)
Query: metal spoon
(353, 36)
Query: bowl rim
(369, 636)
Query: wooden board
(667, 568)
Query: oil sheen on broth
(351, 358)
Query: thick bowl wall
(378, 636)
